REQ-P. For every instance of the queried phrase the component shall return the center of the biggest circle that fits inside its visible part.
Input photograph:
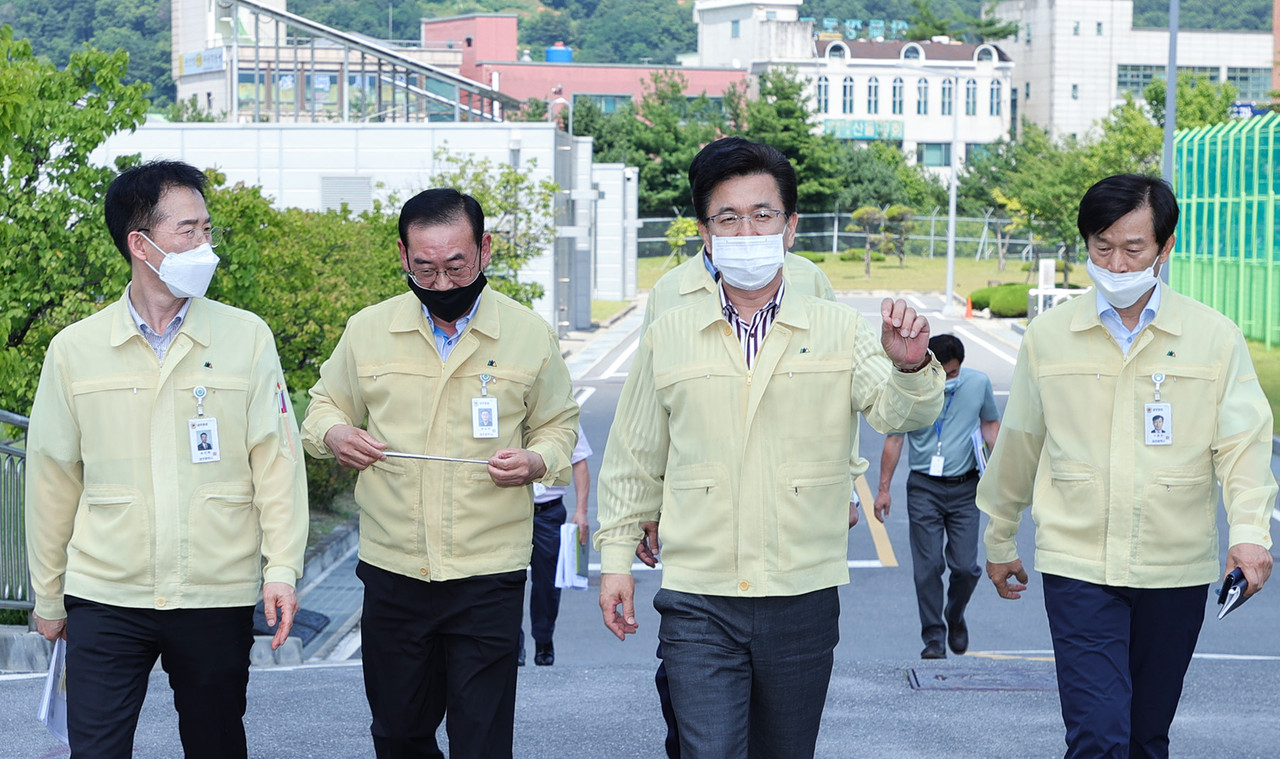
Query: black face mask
(449, 305)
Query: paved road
(597, 702)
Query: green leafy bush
(859, 254)
(1004, 300)
(815, 257)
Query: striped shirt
(159, 342)
(752, 334)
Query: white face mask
(748, 262)
(187, 275)
(1122, 290)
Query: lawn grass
(1267, 363)
(603, 310)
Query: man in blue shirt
(940, 497)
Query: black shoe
(545, 656)
(933, 650)
(958, 637)
(520, 657)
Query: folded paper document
(571, 565)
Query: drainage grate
(1021, 679)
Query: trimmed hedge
(1004, 300)
(813, 256)
(859, 254)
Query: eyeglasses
(214, 235)
(763, 220)
(459, 274)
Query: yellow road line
(879, 536)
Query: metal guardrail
(15, 583)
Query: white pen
(423, 456)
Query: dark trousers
(748, 676)
(544, 596)
(1121, 654)
(432, 647)
(944, 535)
(110, 653)
(672, 741)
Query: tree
(868, 177)
(1200, 102)
(519, 214)
(635, 31)
(189, 110)
(1129, 142)
(666, 139)
(925, 24)
(680, 231)
(870, 220)
(985, 27)
(59, 264)
(898, 226)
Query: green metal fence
(1227, 255)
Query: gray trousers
(944, 535)
(748, 676)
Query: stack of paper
(571, 565)
(53, 708)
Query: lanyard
(937, 424)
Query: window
(1253, 84)
(912, 52)
(847, 95)
(986, 54)
(946, 97)
(1075, 92)
(606, 103)
(922, 97)
(933, 154)
(1075, 29)
(733, 28)
(997, 97)
(897, 96)
(873, 95)
(1027, 94)
(837, 51)
(1099, 28)
(822, 94)
(971, 97)
(1028, 34)
(770, 15)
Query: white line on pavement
(916, 302)
(1275, 514)
(971, 334)
(622, 359)
(346, 647)
(583, 394)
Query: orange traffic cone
(968, 308)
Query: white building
(1077, 58)
(923, 96)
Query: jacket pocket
(698, 526)
(484, 518)
(111, 540)
(1072, 519)
(813, 513)
(224, 537)
(1178, 521)
(389, 496)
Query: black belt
(544, 506)
(972, 474)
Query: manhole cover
(984, 679)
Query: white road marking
(971, 334)
(347, 646)
(582, 395)
(622, 359)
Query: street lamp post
(949, 308)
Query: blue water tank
(558, 53)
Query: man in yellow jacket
(733, 432)
(164, 483)
(1126, 520)
(445, 538)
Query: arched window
(897, 96)
(822, 94)
(997, 97)
(873, 95)
(971, 97)
(912, 52)
(922, 96)
(837, 50)
(847, 93)
(985, 53)
(946, 97)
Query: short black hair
(1121, 194)
(132, 197)
(1158, 416)
(947, 348)
(737, 157)
(442, 205)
